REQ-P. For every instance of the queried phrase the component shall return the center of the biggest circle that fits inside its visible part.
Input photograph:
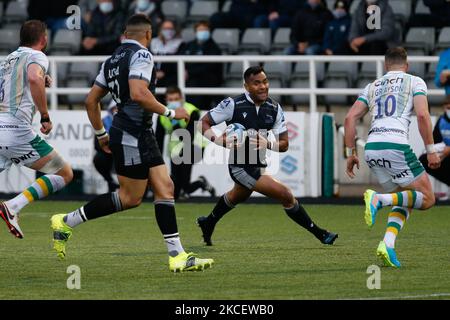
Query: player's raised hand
(351, 162)
(181, 114)
(104, 143)
(434, 161)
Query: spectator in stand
(308, 28)
(52, 12)
(241, 15)
(86, 7)
(203, 74)
(151, 8)
(104, 30)
(442, 77)
(441, 135)
(365, 41)
(181, 168)
(281, 14)
(168, 42)
(336, 32)
(440, 14)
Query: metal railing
(312, 91)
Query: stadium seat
(234, 83)
(16, 12)
(77, 83)
(421, 8)
(368, 69)
(281, 41)
(227, 39)
(202, 10)
(175, 10)
(417, 69)
(433, 100)
(402, 9)
(276, 83)
(66, 41)
(420, 41)
(226, 6)
(342, 70)
(235, 69)
(301, 70)
(299, 83)
(255, 40)
(443, 42)
(83, 70)
(188, 34)
(9, 40)
(279, 70)
(336, 83)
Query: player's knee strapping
(406, 199)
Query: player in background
(129, 76)
(22, 90)
(259, 113)
(391, 101)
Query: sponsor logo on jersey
(400, 175)
(382, 163)
(23, 157)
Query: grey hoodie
(359, 20)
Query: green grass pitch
(259, 254)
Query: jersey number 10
(390, 105)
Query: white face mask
(168, 34)
(106, 7)
(447, 112)
(144, 5)
(174, 105)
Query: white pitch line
(432, 295)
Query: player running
(391, 101)
(129, 76)
(22, 90)
(258, 113)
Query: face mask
(144, 5)
(203, 36)
(168, 34)
(106, 7)
(339, 14)
(447, 112)
(174, 105)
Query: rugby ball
(235, 132)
